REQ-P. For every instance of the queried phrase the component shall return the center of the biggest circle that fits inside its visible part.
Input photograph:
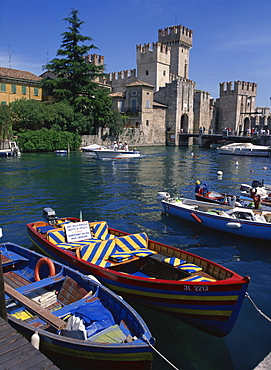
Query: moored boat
(248, 149)
(71, 315)
(164, 278)
(9, 149)
(246, 222)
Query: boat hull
(243, 228)
(210, 307)
(87, 354)
(116, 154)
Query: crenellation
(171, 34)
(97, 60)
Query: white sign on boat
(76, 231)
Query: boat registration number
(196, 288)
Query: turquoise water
(123, 192)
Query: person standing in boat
(198, 186)
(115, 146)
(125, 147)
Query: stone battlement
(172, 34)
(122, 75)
(238, 87)
(97, 60)
(153, 47)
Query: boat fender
(35, 340)
(195, 217)
(41, 262)
(233, 225)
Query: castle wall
(202, 110)
(178, 96)
(119, 80)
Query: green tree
(5, 122)
(74, 75)
(27, 114)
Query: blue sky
(231, 40)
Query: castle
(161, 102)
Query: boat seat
(198, 279)
(190, 267)
(98, 253)
(132, 243)
(100, 230)
(174, 261)
(45, 229)
(40, 284)
(56, 236)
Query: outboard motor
(49, 215)
(256, 184)
(162, 196)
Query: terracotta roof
(16, 73)
(139, 83)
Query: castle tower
(237, 105)
(179, 39)
(153, 64)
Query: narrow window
(134, 102)
(24, 90)
(36, 91)
(147, 103)
(13, 89)
(147, 122)
(3, 87)
(147, 72)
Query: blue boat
(72, 316)
(245, 222)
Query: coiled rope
(163, 357)
(257, 309)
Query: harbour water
(123, 192)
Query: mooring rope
(257, 309)
(160, 354)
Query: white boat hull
(245, 149)
(116, 154)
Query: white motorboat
(9, 149)
(116, 154)
(245, 149)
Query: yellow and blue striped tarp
(100, 230)
(98, 253)
(190, 267)
(56, 236)
(174, 261)
(131, 243)
(198, 278)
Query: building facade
(16, 84)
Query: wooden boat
(76, 318)
(176, 282)
(252, 223)
(116, 154)
(248, 149)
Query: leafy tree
(74, 75)
(5, 122)
(27, 114)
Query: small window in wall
(147, 122)
(164, 73)
(134, 93)
(3, 102)
(36, 91)
(13, 89)
(147, 72)
(24, 90)
(3, 87)
(147, 103)
(137, 124)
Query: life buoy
(196, 218)
(41, 262)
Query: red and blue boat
(191, 288)
(71, 316)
